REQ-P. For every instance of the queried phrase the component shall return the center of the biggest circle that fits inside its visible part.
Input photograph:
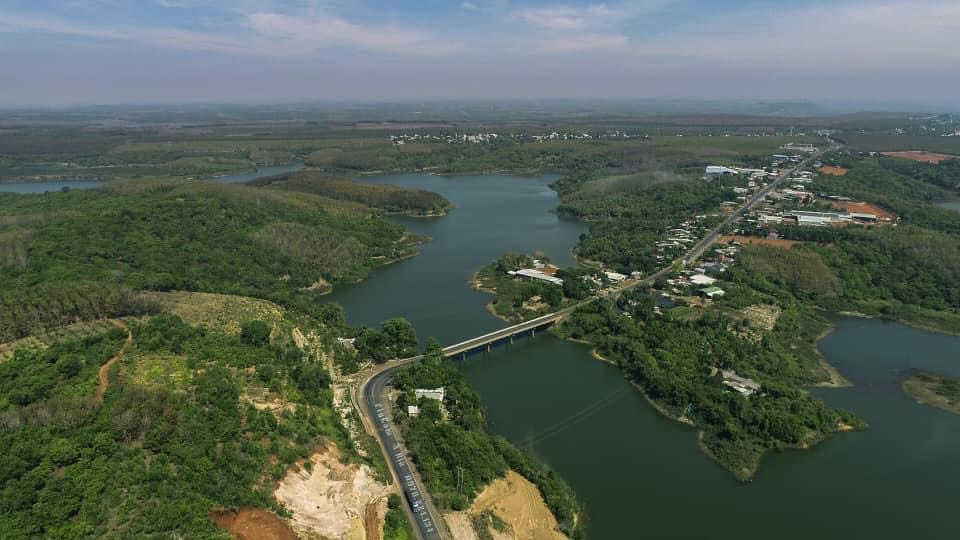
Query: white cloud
(890, 37)
(566, 17)
(584, 42)
(468, 6)
(307, 33)
(169, 38)
(274, 34)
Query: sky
(67, 52)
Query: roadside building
(701, 279)
(742, 385)
(712, 292)
(717, 170)
(615, 277)
(535, 275)
(430, 393)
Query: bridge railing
(502, 333)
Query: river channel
(639, 474)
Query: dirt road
(104, 374)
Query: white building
(719, 169)
(701, 279)
(434, 393)
(743, 385)
(531, 273)
(615, 276)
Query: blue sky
(55, 52)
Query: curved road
(377, 411)
(369, 399)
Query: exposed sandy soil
(865, 208)
(760, 317)
(833, 171)
(516, 501)
(763, 316)
(784, 244)
(921, 155)
(460, 526)
(333, 500)
(253, 524)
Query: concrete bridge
(504, 335)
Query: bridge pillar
(488, 347)
(533, 332)
(511, 339)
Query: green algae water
(639, 474)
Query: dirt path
(104, 373)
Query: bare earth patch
(253, 524)
(865, 208)
(333, 500)
(753, 240)
(834, 171)
(921, 155)
(517, 502)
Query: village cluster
(482, 138)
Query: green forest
(162, 450)
(385, 197)
(450, 435)
(195, 236)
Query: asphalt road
(701, 246)
(375, 409)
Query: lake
(58, 185)
(43, 187)
(639, 474)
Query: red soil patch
(833, 171)
(253, 524)
(549, 269)
(921, 155)
(782, 244)
(865, 208)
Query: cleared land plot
(834, 171)
(756, 241)
(921, 155)
(865, 208)
(870, 142)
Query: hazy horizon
(97, 52)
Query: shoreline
(745, 475)
(837, 380)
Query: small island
(935, 390)
(528, 286)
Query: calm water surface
(639, 474)
(57, 185)
(43, 187)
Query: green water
(639, 474)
